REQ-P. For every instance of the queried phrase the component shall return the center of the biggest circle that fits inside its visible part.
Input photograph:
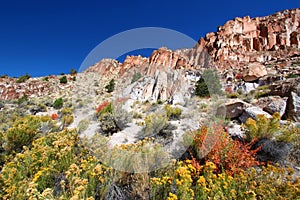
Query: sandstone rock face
(243, 40)
(169, 85)
(166, 74)
(105, 67)
(296, 104)
(254, 71)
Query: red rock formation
(105, 67)
(259, 39)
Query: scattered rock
(235, 131)
(289, 88)
(252, 112)
(254, 71)
(273, 104)
(231, 109)
(272, 151)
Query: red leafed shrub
(102, 106)
(54, 116)
(239, 76)
(228, 89)
(227, 154)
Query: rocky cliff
(259, 39)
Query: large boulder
(254, 71)
(272, 150)
(273, 104)
(289, 88)
(252, 112)
(233, 108)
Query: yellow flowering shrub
(262, 127)
(57, 165)
(184, 181)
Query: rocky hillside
(195, 123)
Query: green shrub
(262, 127)
(83, 125)
(46, 79)
(63, 80)
(172, 113)
(23, 99)
(154, 124)
(121, 117)
(66, 111)
(111, 86)
(4, 76)
(104, 107)
(67, 120)
(23, 78)
(1, 104)
(37, 108)
(209, 84)
(135, 77)
(58, 103)
(137, 115)
(289, 133)
(73, 72)
(232, 95)
(108, 124)
(22, 133)
(292, 76)
(201, 88)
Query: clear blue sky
(45, 37)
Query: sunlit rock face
(259, 39)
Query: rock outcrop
(259, 39)
(254, 71)
(233, 108)
(289, 88)
(252, 112)
(273, 104)
(34, 87)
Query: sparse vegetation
(111, 86)
(136, 76)
(292, 75)
(57, 165)
(172, 113)
(58, 103)
(155, 123)
(46, 79)
(23, 78)
(232, 95)
(4, 76)
(209, 84)
(63, 80)
(73, 72)
(23, 99)
(262, 127)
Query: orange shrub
(54, 116)
(227, 154)
(102, 106)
